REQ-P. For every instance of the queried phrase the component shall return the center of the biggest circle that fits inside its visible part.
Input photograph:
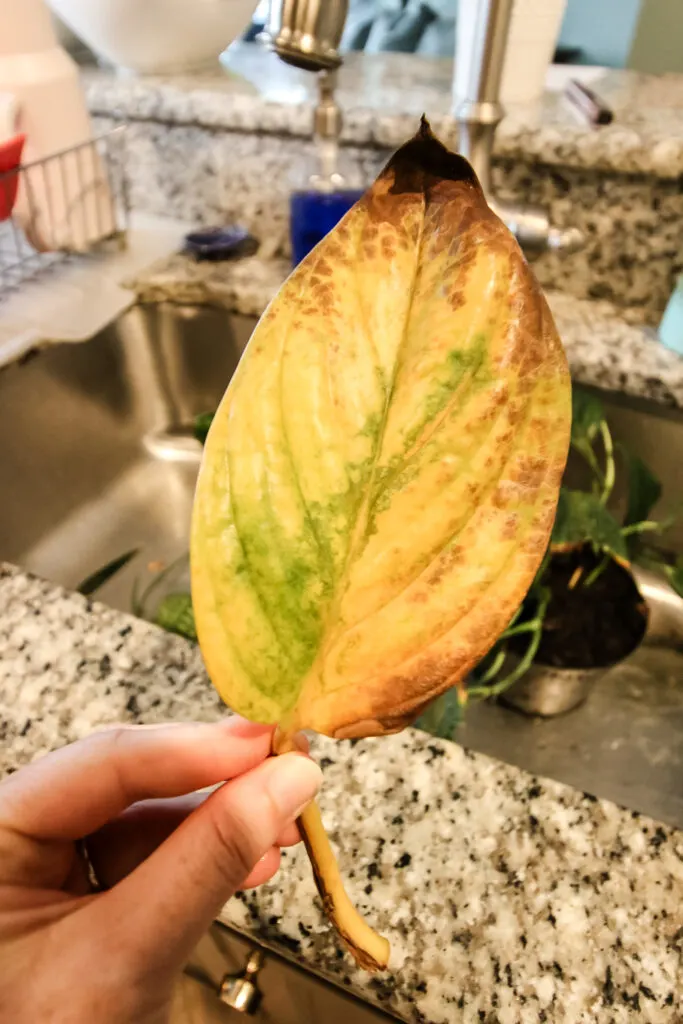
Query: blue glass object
(313, 214)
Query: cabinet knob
(241, 991)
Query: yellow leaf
(380, 480)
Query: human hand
(169, 856)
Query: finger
(289, 836)
(264, 870)
(178, 891)
(123, 843)
(77, 789)
(301, 742)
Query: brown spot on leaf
(510, 526)
(446, 561)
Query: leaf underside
(379, 483)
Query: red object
(10, 160)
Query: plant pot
(547, 691)
(156, 36)
(665, 610)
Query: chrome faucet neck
(478, 115)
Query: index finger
(75, 790)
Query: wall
(658, 41)
(604, 29)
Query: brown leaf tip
(424, 160)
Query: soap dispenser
(328, 195)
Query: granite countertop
(382, 94)
(507, 898)
(603, 349)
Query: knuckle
(117, 757)
(117, 737)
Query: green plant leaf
(101, 576)
(202, 424)
(587, 415)
(175, 614)
(675, 575)
(581, 518)
(443, 715)
(644, 489)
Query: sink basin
(98, 455)
(98, 458)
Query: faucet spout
(478, 115)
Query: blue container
(312, 214)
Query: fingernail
(293, 783)
(300, 741)
(243, 728)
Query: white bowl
(154, 37)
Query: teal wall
(604, 29)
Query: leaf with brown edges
(379, 483)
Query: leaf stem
(493, 669)
(609, 462)
(524, 627)
(589, 455)
(482, 692)
(369, 950)
(642, 527)
(595, 573)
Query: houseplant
(584, 612)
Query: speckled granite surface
(382, 94)
(508, 899)
(602, 347)
(232, 146)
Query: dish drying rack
(67, 204)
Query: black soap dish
(220, 243)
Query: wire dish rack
(68, 203)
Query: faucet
(307, 33)
(477, 118)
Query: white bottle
(65, 204)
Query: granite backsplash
(224, 150)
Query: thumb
(164, 907)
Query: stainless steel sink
(97, 457)
(97, 454)
(289, 995)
